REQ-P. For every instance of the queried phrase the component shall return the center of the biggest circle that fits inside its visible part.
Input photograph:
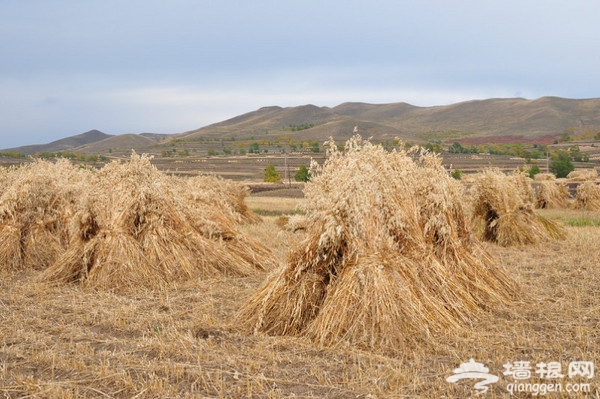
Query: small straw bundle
(388, 258)
(503, 210)
(36, 205)
(544, 177)
(583, 175)
(134, 229)
(551, 195)
(292, 223)
(588, 196)
(213, 191)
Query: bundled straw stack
(388, 257)
(588, 196)
(583, 175)
(503, 210)
(544, 176)
(37, 201)
(213, 192)
(551, 195)
(134, 228)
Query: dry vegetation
(503, 210)
(388, 257)
(588, 196)
(182, 339)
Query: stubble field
(179, 341)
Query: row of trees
(272, 176)
(514, 149)
(560, 164)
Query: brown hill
(121, 143)
(515, 119)
(478, 121)
(66, 144)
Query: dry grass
(388, 258)
(177, 342)
(503, 211)
(180, 340)
(275, 206)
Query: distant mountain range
(491, 120)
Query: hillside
(514, 119)
(120, 143)
(66, 144)
(508, 120)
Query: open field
(179, 341)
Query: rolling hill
(513, 119)
(478, 121)
(66, 144)
(122, 142)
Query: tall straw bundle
(36, 205)
(388, 256)
(135, 229)
(588, 196)
(551, 195)
(503, 211)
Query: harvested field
(60, 342)
(179, 341)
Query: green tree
(315, 146)
(254, 148)
(456, 148)
(561, 164)
(271, 174)
(534, 170)
(302, 174)
(577, 155)
(434, 147)
(457, 174)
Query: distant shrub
(561, 164)
(302, 174)
(534, 170)
(456, 174)
(271, 175)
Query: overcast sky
(170, 66)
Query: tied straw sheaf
(588, 196)
(504, 210)
(388, 256)
(553, 194)
(125, 226)
(37, 201)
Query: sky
(70, 66)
